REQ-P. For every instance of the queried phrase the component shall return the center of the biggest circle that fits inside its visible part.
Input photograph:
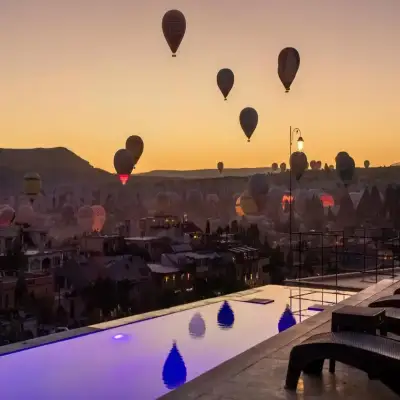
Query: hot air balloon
(288, 65)
(298, 164)
(7, 215)
(318, 165)
(226, 316)
(345, 167)
(287, 320)
(99, 218)
(366, 163)
(174, 28)
(85, 217)
(274, 166)
(313, 164)
(174, 371)
(225, 81)
(248, 121)
(32, 185)
(245, 205)
(197, 326)
(220, 167)
(123, 164)
(283, 167)
(258, 189)
(25, 215)
(134, 144)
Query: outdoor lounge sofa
(378, 356)
(387, 301)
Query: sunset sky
(86, 74)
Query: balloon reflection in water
(226, 316)
(174, 371)
(197, 326)
(287, 320)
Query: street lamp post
(300, 145)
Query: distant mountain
(54, 165)
(206, 173)
(58, 166)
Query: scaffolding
(370, 253)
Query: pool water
(130, 362)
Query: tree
(20, 291)
(234, 227)
(208, 228)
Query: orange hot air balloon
(288, 65)
(123, 164)
(225, 81)
(99, 218)
(134, 144)
(283, 167)
(274, 166)
(174, 29)
(7, 215)
(220, 167)
(245, 205)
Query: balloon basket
(248, 140)
(173, 55)
(225, 99)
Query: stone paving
(260, 372)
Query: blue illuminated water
(143, 360)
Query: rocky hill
(55, 165)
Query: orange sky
(85, 74)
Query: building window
(166, 279)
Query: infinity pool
(129, 362)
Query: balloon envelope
(123, 164)
(258, 189)
(134, 144)
(248, 121)
(298, 164)
(345, 167)
(99, 218)
(25, 214)
(174, 28)
(220, 167)
(174, 371)
(197, 326)
(7, 215)
(283, 167)
(245, 205)
(288, 65)
(225, 81)
(287, 320)
(226, 316)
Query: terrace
(241, 358)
